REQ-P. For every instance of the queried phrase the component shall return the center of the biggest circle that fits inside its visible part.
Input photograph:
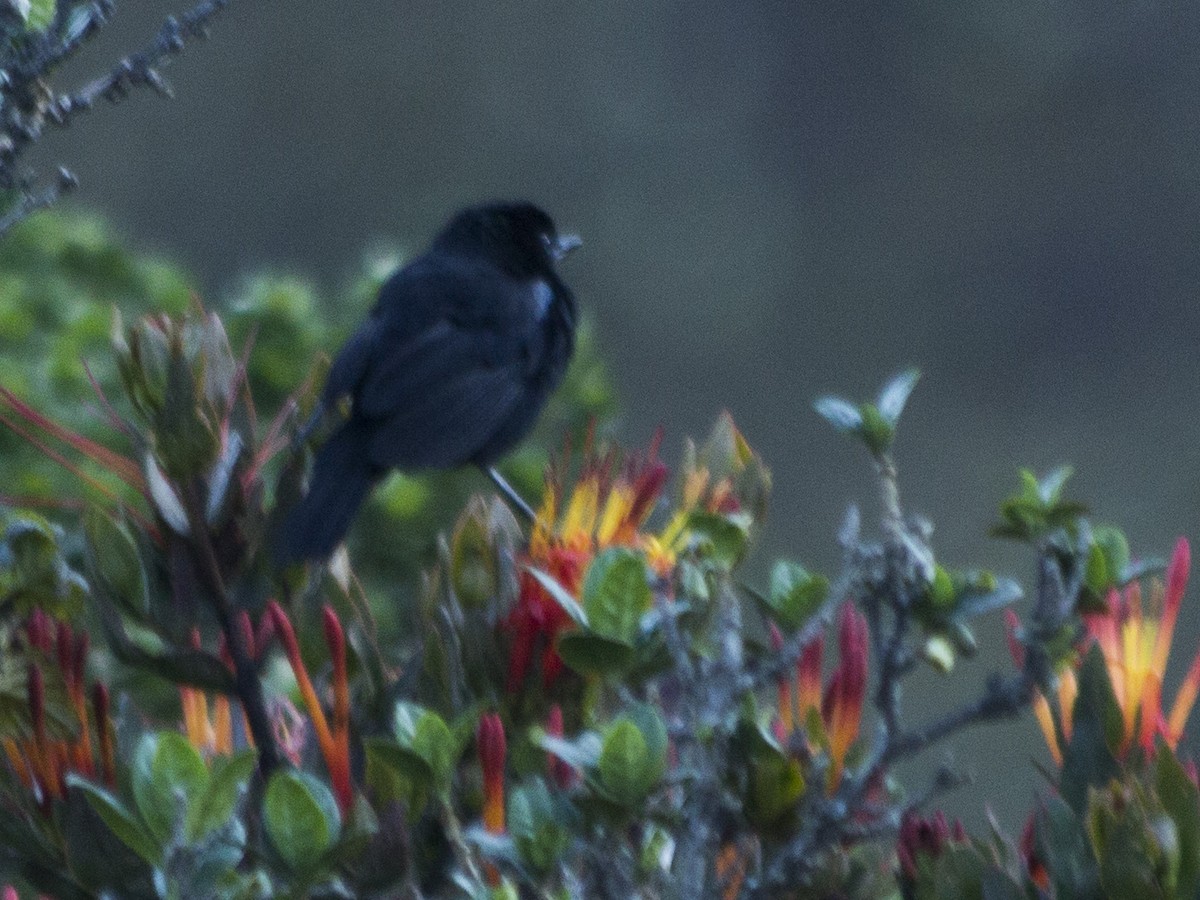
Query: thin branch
(247, 683)
(29, 104)
(1003, 698)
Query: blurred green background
(778, 199)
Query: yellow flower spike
(1068, 690)
(693, 487)
(615, 526)
(580, 521)
(223, 726)
(1045, 720)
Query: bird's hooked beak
(563, 245)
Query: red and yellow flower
(839, 706)
(607, 507)
(1134, 635)
(42, 759)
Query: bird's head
(519, 237)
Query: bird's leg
(510, 494)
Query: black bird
(452, 367)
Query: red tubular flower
(841, 707)
(339, 766)
(336, 757)
(42, 761)
(1034, 865)
(808, 678)
(920, 836)
(560, 773)
(490, 743)
(786, 721)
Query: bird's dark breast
(469, 381)
(544, 373)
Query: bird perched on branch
(453, 366)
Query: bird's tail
(342, 477)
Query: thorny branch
(29, 104)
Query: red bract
(921, 836)
(841, 707)
(492, 748)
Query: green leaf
(116, 562)
(582, 752)
(1062, 844)
(633, 755)
(1049, 489)
(795, 594)
(301, 818)
(877, 432)
(616, 594)
(230, 776)
(119, 819)
(959, 872)
(1181, 799)
(473, 558)
(1097, 576)
(387, 778)
(938, 651)
(166, 501)
(403, 760)
(625, 763)
(537, 822)
(167, 774)
(721, 537)
(654, 731)
(941, 590)
(40, 14)
(433, 741)
(1097, 731)
(592, 654)
(984, 595)
(776, 786)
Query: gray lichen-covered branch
(37, 37)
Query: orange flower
(211, 734)
(43, 760)
(840, 706)
(1134, 635)
(492, 748)
(333, 740)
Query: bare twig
(245, 672)
(29, 104)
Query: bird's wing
(449, 366)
